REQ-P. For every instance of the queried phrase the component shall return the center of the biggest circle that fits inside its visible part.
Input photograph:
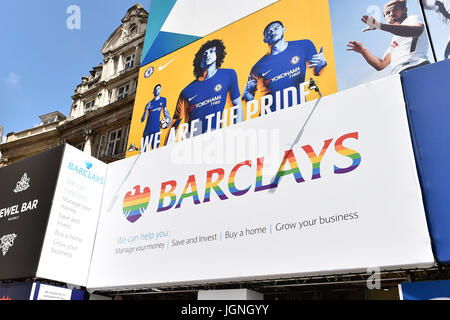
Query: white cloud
(12, 79)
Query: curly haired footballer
(220, 52)
(201, 104)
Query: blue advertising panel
(39, 291)
(428, 290)
(426, 92)
(46, 292)
(15, 291)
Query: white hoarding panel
(326, 187)
(202, 17)
(173, 24)
(72, 224)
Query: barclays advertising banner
(328, 191)
(71, 228)
(49, 208)
(427, 98)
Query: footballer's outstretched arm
(374, 61)
(412, 31)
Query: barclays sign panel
(49, 206)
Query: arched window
(133, 29)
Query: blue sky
(43, 61)
(351, 67)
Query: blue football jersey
(205, 97)
(286, 69)
(154, 109)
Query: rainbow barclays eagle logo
(134, 205)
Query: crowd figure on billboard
(284, 66)
(152, 112)
(409, 45)
(202, 102)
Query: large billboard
(338, 43)
(252, 67)
(332, 190)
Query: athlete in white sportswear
(409, 45)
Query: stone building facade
(102, 105)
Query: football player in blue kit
(202, 102)
(152, 112)
(282, 67)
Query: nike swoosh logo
(192, 97)
(264, 74)
(162, 67)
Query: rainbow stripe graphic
(259, 186)
(316, 160)
(231, 181)
(355, 156)
(194, 193)
(214, 185)
(288, 157)
(164, 194)
(134, 205)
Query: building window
(122, 92)
(127, 133)
(100, 147)
(129, 62)
(135, 84)
(114, 142)
(89, 105)
(80, 146)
